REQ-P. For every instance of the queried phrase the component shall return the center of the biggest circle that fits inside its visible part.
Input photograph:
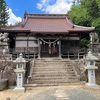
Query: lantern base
(19, 89)
(92, 85)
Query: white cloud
(12, 18)
(55, 6)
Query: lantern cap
(21, 55)
(20, 59)
(90, 56)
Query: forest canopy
(86, 13)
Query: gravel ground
(75, 92)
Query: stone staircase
(53, 71)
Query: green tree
(4, 14)
(93, 7)
(93, 10)
(86, 13)
(96, 23)
(79, 15)
(85, 42)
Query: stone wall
(98, 72)
(8, 71)
(81, 71)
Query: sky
(18, 7)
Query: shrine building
(45, 35)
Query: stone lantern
(91, 67)
(20, 71)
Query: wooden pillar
(28, 52)
(39, 48)
(59, 48)
(27, 42)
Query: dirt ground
(14, 95)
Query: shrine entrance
(49, 47)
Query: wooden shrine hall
(46, 35)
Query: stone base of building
(19, 89)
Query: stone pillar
(20, 79)
(91, 76)
(90, 66)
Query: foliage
(79, 15)
(93, 7)
(4, 14)
(96, 23)
(86, 13)
(84, 42)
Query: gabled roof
(47, 23)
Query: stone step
(56, 84)
(49, 60)
(53, 78)
(45, 64)
(53, 72)
(52, 63)
(53, 75)
(52, 66)
(49, 78)
(52, 69)
(53, 81)
(49, 75)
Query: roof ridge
(84, 27)
(70, 22)
(24, 21)
(11, 26)
(45, 15)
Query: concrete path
(70, 92)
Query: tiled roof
(47, 23)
